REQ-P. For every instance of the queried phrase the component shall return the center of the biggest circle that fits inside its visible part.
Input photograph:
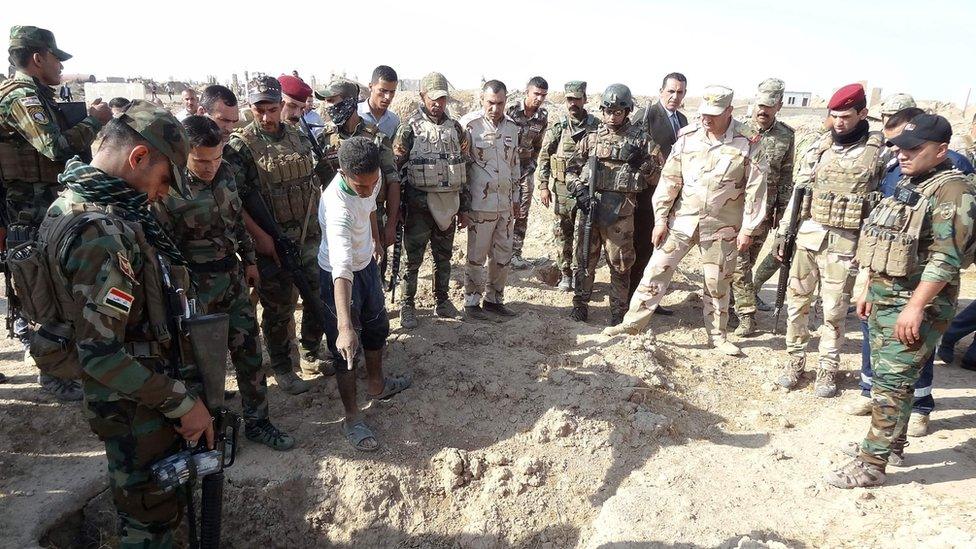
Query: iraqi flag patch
(118, 300)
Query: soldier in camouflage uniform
(35, 142)
(842, 173)
(109, 250)
(777, 147)
(208, 226)
(276, 160)
(558, 147)
(533, 118)
(626, 160)
(712, 192)
(913, 246)
(430, 150)
(345, 122)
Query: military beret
(850, 96)
(294, 87)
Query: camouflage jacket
(106, 271)
(238, 155)
(533, 130)
(777, 145)
(558, 147)
(493, 171)
(945, 242)
(332, 137)
(403, 144)
(715, 187)
(209, 225)
(29, 115)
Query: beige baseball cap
(434, 85)
(770, 92)
(715, 100)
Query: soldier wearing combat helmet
(35, 142)
(626, 159)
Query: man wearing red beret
(839, 176)
(294, 92)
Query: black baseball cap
(923, 128)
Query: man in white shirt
(350, 283)
(376, 108)
(190, 104)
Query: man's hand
(389, 235)
(863, 308)
(378, 251)
(742, 242)
(908, 324)
(347, 343)
(100, 111)
(197, 422)
(658, 235)
(463, 220)
(545, 196)
(264, 245)
(779, 243)
(251, 276)
(583, 199)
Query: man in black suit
(662, 121)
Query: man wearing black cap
(277, 161)
(35, 143)
(912, 248)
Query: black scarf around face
(852, 136)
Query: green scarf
(95, 186)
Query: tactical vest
(19, 160)
(46, 295)
(889, 239)
(618, 157)
(842, 186)
(285, 173)
(332, 140)
(566, 148)
(435, 163)
(532, 128)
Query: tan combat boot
(291, 383)
(792, 371)
(747, 326)
(856, 474)
(918, 425)
(826, 384)
(860, 407)
(726, 347)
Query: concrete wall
(106, 90)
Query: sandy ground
(539, 432)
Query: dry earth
(538, 432)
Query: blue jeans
(924, 403)
(961, 326)
(368, 310)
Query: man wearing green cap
(112, 254)
(558, 147)
(777, 145)
(431, 149)
(35, 142)
(276, 160)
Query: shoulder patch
(38, 115)
(30, 101)
(118, 300)
(125, 267)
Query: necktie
(674, 124)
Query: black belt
(219, 266)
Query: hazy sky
(921, 47)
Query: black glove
(583, 198)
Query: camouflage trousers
(765, 270)
(228, 293)
(896, 369)
(135, 437)
(489, 239)
(563, 230)
(522, 219)
(279, 299)
(832, 272)
(617, 241)
(718, 264)
(743, 288)
(419, 229)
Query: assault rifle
(590, 212)
(397, 251)
(204, 339)
(788, 249)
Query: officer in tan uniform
(712, 193)
(489, 200)
(842, 174)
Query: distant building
(797, 99)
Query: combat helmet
(617, 96)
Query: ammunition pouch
(608, 207)
(840, 210)
(52, 346)
(889, 241)
(19, 161)
(444, 174)
(557, 165)
(289, 201)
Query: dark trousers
(924, 403)
(368, 310)
(643, 227)
(962, 325)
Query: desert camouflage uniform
(557, 148)
(294, 203)
(130, 403)
(825, 248)
(709, 191)
(613, 228)
(420, 225)
(530, 143)
(932, 242)
(488, 197)
(209, 229)
(777, 148)
(964, 145)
